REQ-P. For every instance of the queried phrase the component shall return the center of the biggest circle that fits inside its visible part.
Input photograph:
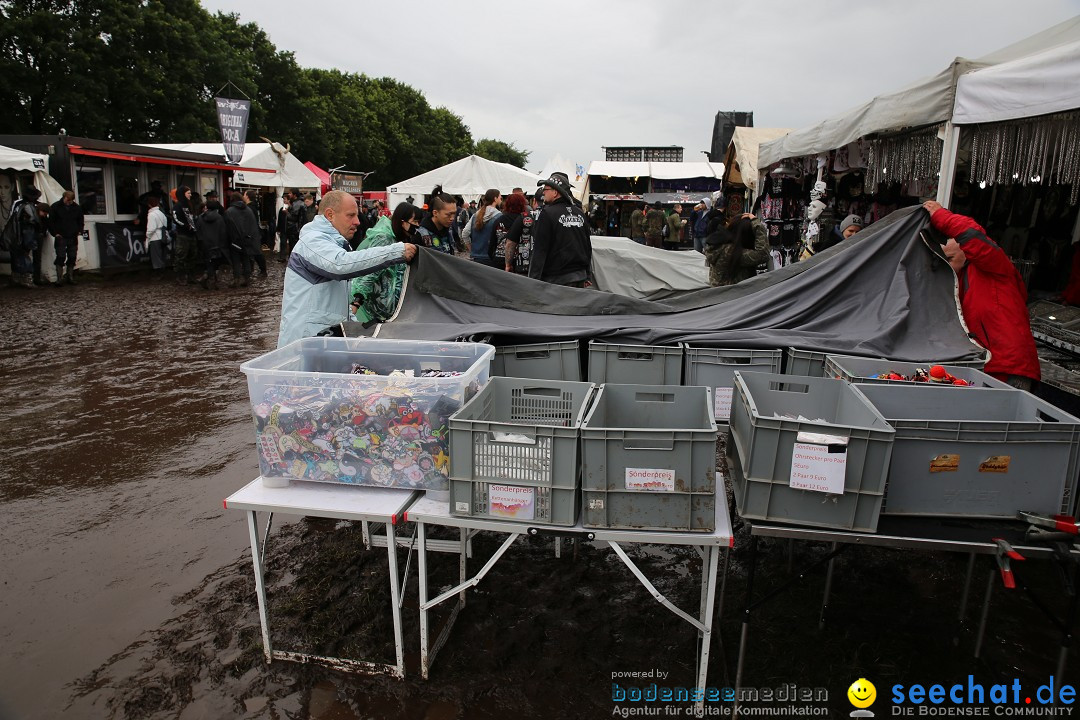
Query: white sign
(813, 467)
(722, 402)
(650, 480)
(511, 502)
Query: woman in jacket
(374, 297)
(480, 232)
(503, 252)
(157, 234)
(186, 255)
(733, 253)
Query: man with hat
(654, 225)
(211, 195)
(562, 251)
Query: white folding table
(428, 512)
(339, 502)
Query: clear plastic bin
(316, 420)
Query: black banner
(233, 120)
(121, 244)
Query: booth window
(126, 184)
(188, 177)
(90, 184)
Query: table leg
(260, 588)
(744, 635)
(421, 556)
(708, 582)
(828, 587)
(723, 582)
(985, 611)
(395, 606)
(967, 587)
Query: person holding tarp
(734, 252)
(992, 296)
(375, 295)
(316, 293)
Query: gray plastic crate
(514, 452)
(544, 361)
(771, 413)
(715, 369)
(649, 459)
(807, 363)
(977, 452)
(635, 364)
(861, 370)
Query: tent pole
(947, 174)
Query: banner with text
(121, 244)
(233, 120)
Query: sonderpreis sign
(233, 120)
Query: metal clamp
(573, 534)
(1005, 554)
(1059, 523)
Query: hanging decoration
(903, 158)
(1042, 150)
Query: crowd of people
(26, 233)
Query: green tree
(500, 151)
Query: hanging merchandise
(902, 158)
(1035, 150)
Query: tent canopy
(1039, 84)
(741, 160)
(925, 102)
(656, 170)
(561, 164)
(12, 159)
(288, 173)
(469, 177)
(324, 177)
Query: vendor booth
(741, 162)
(470, 177)
(888, 153)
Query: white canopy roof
(924, 102)
(12, 159)
(1038, 84)
(561, 164)
(469, 177)
(744, 151)
(289, 172)
(656, 170)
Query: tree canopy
(147, 71)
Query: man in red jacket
(992, 296)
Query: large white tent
(1039, 84)
(925, 102)
(469, 177)
(286, 170)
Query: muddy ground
(128, 591)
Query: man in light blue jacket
(316, 293)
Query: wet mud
(128, 591)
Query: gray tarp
(623, 267)
(881, 293)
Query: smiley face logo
(862, 693)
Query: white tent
(561, 164)
(925, 102)
(286, 170)
(469, 177)
(741, 159)
(1039, 84)
(12, 159)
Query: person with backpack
(654, 225)
(480, 232)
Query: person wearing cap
(562, 250)
(851, 225)
(993, 297)
(654, 225)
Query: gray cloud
(570, 77)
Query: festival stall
(470, 177)
(17, 170)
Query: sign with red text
(813, 467)
(650, 479)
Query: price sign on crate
(813, 467)
(722, 402)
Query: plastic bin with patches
(649, 459)
(812, 451)
(514, 451)
(385, 425)
(866, 370)
(979, 452)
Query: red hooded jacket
(993, 298)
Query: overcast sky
(571, 77)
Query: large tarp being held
(882, 293)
